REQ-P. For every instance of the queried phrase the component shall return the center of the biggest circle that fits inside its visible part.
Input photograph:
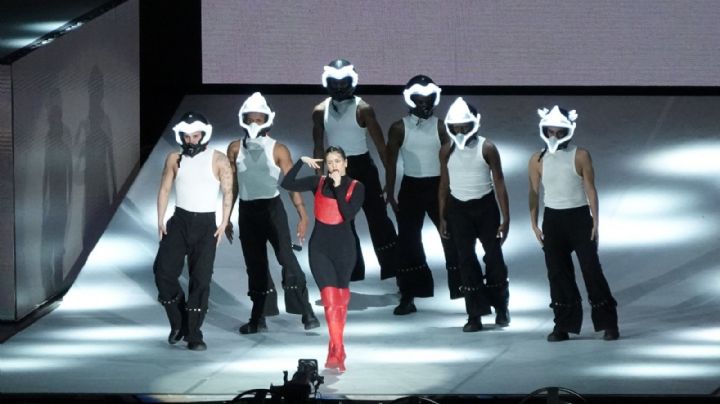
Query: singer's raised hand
(311, 162)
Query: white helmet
(556, 118)
(339, 69)
(192, 122)
(256, 103)
(421, 85)
(460, 113)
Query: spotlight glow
(372, 266)
(44, 42)
(31, 364)
(43, 28)
(390, 355)
(271, 359)
(622, 231)
(120, 251)
(72, 27)
(649, 217)
(523, 323)
(524, 297)
(114, 333)
(514, 159)
(701, 334)
(96, 298)
(262, 365)
(376, 328)
(646, 202)
(18, 42)
(711, 281)
(698, 159)
(431, 240)
(147, 218)
(520, 240)
(69, 350)
(682, 351)
(659, 370)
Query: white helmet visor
(555, 118)
(459, 113)
(184, 128)
(424, 91)
(330, 72)
(255, 103)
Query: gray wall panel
(76, 126)
(7, 222)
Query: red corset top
(326, 208)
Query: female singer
(338, 199)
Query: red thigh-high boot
(332, 300)
(344, 294)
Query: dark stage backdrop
(464, 42)
(76, 141)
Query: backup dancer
(472, 186)
(346, 121)
(417, 138)
(257, 160)
(570, 223)
(197, 175)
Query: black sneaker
(197, 346)
(310, 321)
(611, 334)
(406, 306)
(254, 326)
(502, 317)
(474, 324)
(557, 336)
(175, 337)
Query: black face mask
(340, 89)
(191, 150)
(424, 106)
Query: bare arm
(396, 136)
(283, 159)
(584, 167)
(492, 156)
(224, 173)
(535, 175)
(318, 118)
(443, 189)
(166, 183)
(366, 119)
(232, 153)
(442, 133)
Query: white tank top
(341, 127)
(469, 173)
(257, 172)
(420, 147)
(196, 188)
(562, 185)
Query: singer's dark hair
(336, 149)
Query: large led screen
(464, 42)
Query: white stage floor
(657, 161)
